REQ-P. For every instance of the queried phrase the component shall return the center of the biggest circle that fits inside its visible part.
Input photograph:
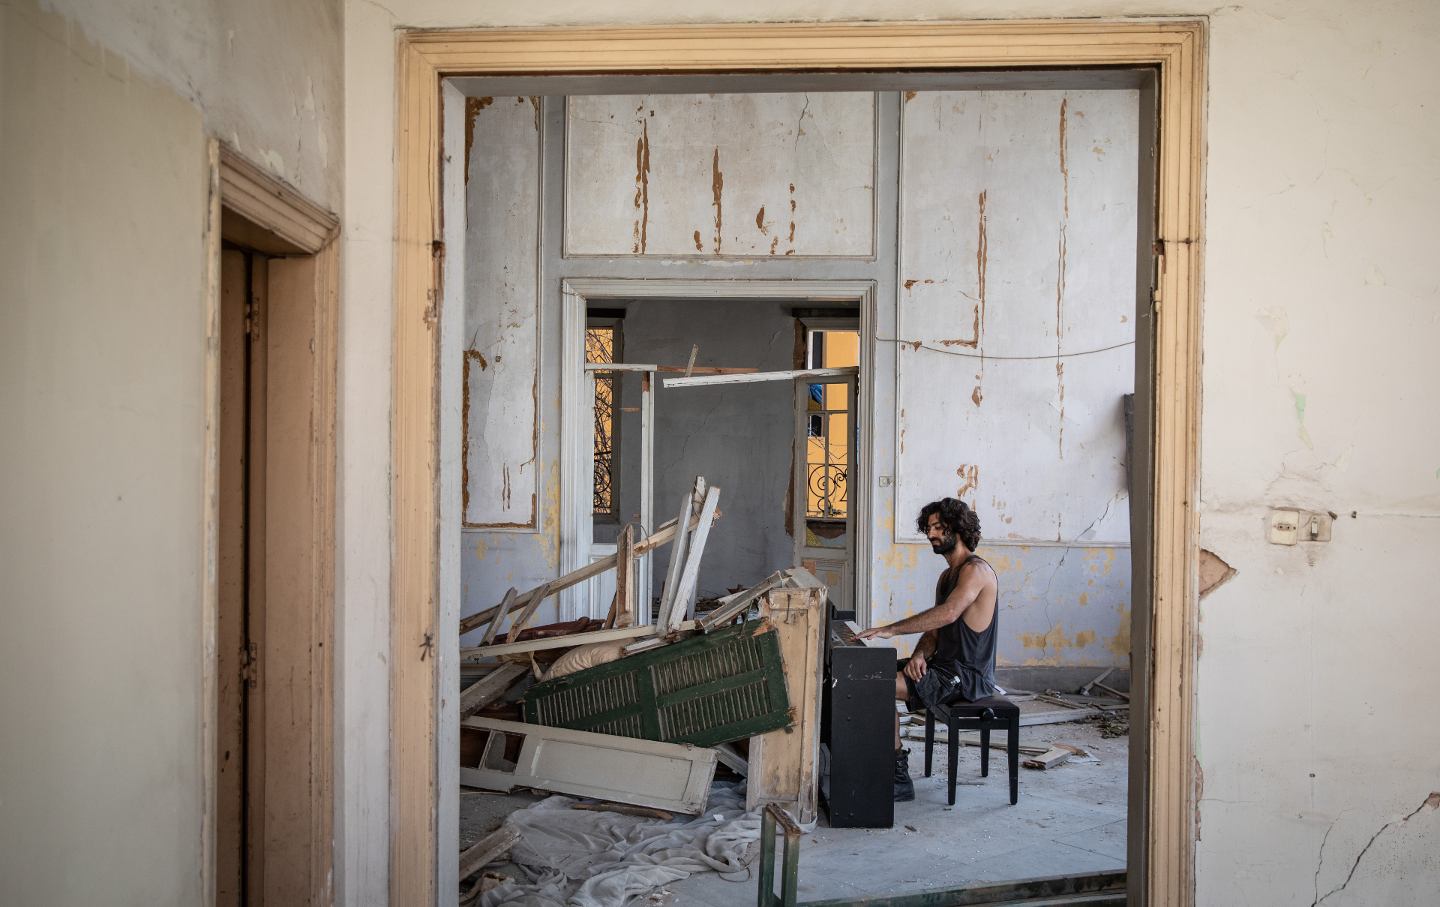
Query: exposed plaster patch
(1214, 572)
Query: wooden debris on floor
(1085, 690)
(735, 605)
(490, 688)
(668, 776)
(487, 850)
(1058, 754)
(625, 809)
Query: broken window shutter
(705, 690)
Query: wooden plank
(636, 367)
(677, 564)
(490, 688)
(660, 537)
(625, 586)
(1085, 690)
(1051, 758)
(784, 764)
(507, 605)
(731, 758)
(532, 604)
(684, 602)
(645, 581)
(753, 377)
(733, 605)
(669, 776)
(487, 850)
(624, 809)
(562, 642)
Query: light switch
(1284, 527)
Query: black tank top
(967, 654)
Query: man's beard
(945, 545)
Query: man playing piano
(955, 657)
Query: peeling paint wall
(721, 175)
(1320, 141)
(502, 313)
(1017, 255)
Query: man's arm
(971, 584)
(927, 644)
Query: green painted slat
(705, 690)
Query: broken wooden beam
(626, 809)
(677, 556)
(730, 758)
(506, 606)
(487, 850)
(661, 536)
(562, 642)
(490, 688)
(732, 605)
(669, 776)
(684, 605)
(751, 377)
(1051, 758)
(638, 367)
(1085, 690)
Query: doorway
(780, 450)
(272, 486)
(1160, 873)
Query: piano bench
(994, 713)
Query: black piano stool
(995, 713)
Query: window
(600, 346)
(828, 426)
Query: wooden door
(272, 834)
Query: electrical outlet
(1284, 527)
(1316, 527)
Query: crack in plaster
(1430, 802)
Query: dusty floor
(1069, 819)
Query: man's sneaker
(904, 787)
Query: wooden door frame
(249, 206)
(1175, 48)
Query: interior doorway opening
(550, 114)
(272, 483)
(780, 450)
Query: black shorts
(937, 686)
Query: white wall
(1321, 142)
(101, 383)
(266, 75)
(105, 119)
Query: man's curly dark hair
(956, 516)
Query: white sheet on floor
(579, 858)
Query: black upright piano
(857, 730)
